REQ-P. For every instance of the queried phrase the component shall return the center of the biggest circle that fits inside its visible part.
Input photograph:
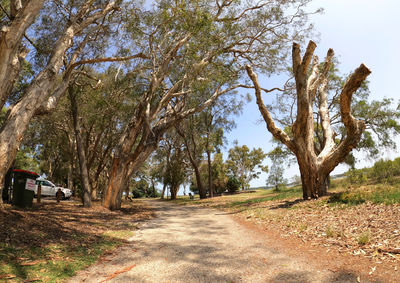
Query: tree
(82, 158)
(190, 46)
(219, 173)
(67, 28)
(242, 163)
(175, 174)
(275, 177)
(233, 184)
(380, 117)
(311, 83)
(190, 133)
(217, 121)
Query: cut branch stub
(352, 84)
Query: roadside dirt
(197, 244)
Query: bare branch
(307, 56)
(272, 128)
(108, 59)
(352, 84)
(296, 58)
(354, 127)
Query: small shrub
(384, 170)
(357, 176)
(348, 197)
(330, 232)
(302, 227)
(364, 238)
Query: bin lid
(26, 173)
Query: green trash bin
(23, 187)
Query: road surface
(193, 244)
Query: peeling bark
(316, 164)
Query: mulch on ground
(49, 222)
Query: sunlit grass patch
(51, 263)
(364, 238)
(377, 194)
(119, 234)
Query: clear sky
(359, 31)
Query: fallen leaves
(368, 229)
(372, 270)
(7, 276)
(61, 235)
(30, 263)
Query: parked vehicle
(49, 189)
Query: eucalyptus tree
(176, 170)
(65, 30)
(322, 100)
(190, 46)
(76, 138)
(203, 134)
(275, 177)
(192, 133)
(245, 164)
(51, 138)
(219, 173)
(171, 163)
(218, 120)
(96, 124)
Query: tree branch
(354, 127)
(108, 59)
(272, 128)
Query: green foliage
(385, 170)
(233, 184)
(219, 172)
(377, 194)
(26, 160)
(275, 177)
(243, 163)
(142, 189)
(364, 238)
(357, 176)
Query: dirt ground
(197, 244)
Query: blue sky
(359, 31)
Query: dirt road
(192, 244)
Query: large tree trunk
(312, 181)
(84, 173)
(199, 182)
(312, 80)
(117, 182)
(174, 191)
(120, 172)
(163, 190)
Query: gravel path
(192, 244)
